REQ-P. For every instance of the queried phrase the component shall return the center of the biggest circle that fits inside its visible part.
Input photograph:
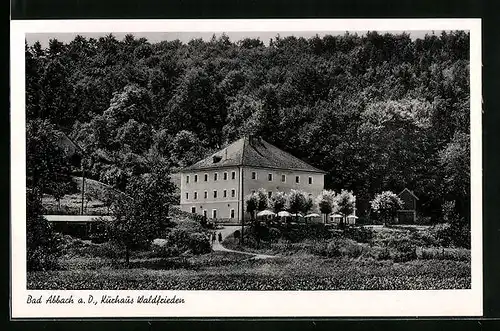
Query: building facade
(216, 186)
(408, 215)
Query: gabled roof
(252, 152)
(413, 194)
(67, 145)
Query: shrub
(359, 234)
(274, 233)
(164, 251)
(452, 234)
(182, 240)
(199, 243)
(318, 248)
(405, 252)
(343, 247)
(445, 254)
(42, 244)
(384, 255)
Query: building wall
(409, 200)
(277, 185)
(222, 204)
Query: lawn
(232, 271)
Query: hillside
(96, 199)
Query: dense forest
(376, 111)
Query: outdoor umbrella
(335, 215)
(312, 215)
(298, 214)
(265, 213)
(284, 214)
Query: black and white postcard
(237, 168)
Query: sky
(154, 37)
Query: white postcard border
(244, 303)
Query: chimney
(253, 139)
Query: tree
(278, 201)
(186, 148)
(141, 215)
(262, 199)
(41, 242)
(386, 205)
(58, 190)
(47, 166)
(252, 204)
(325, 202)
(455, 162)
(345, 201)
(297, 202)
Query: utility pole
(242, 205)
(83, 184)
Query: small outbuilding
(408, 214)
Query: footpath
(228, 230)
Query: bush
(445, 254)
(164, 251)
(274, 234)
(42, 244)
(405, 252)
(199, 243)
(452, 234)
(183, 240)
(343, 247)
(359, 234)
(384, 255)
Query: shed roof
(252, 152)
(406, 189)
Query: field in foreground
(232, 271)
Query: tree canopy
(377, 111)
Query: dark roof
(252, 152)
(413, 194)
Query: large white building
(217, 185)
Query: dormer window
(216, 158)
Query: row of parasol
(287, 214)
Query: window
(310, 180)
(206, 194)
(232, 213)
(206, 177)
(269, 194)
(283, 178)
(216, 176)
(270, 177)
(187, 196)
(195, 178)
(233, 193)
(195, 195)
(205, 213)
(193, 210)
(187, 179)
(225, 176)
(215, 193)
(254, 175)
(233, 175)
(214, 213)
(297, 179)
(224, 194)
